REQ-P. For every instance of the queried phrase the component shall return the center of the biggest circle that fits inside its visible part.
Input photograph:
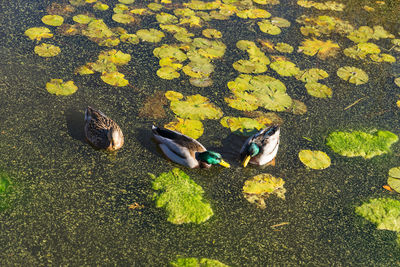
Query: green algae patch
(195, 262)
(5, 190)
(181, 198)
(357, 143)
(261, 186)
(59, 87)
(383, 212)
(316, 160)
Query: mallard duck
(101, 131)
(261, 148)
(185, 150)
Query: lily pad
(115, 56)
(312, 75)
(212, 33)
(181, 198)
(352, 75)
(167, 73)
(129, 38)
(101, 6)
(196, 107)
(53, 20)
(284, 67)
(172, 51)
(397, 81)
(97, 29)
(37, 33)
(192, 128)
(267, 27)
(318, 90)
(47, 50)
(248, 66)
(258, 188)
(284, 48)
(82, 19)
(173, 96)
(242, 125)
(201, 82)
(316, 160)
(166, 18)
(357, 143)
(59, 87)
(383, 212)
(114, 78)
(123, 18)
(195, 262)
(394, 179)
(323, 49)
(150, 35)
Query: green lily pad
(280, 22)
(394, 179)
(97, 29)
(242, 125)
(383, 58)
(383, 212)
(254, 13)
(284, 48)
(167, 73)
(352, 75)
(37, 33)
(248, 66)
(100, 6)
(47, 50)
(82, 19)
(166, 18)
(150, 35)
(316, 160)
(284, 68)
(126, 2)
(192, 128)
(170, 51)
(267, 27)
(357, 143)
(155, 6)
(212, 33)
(195, 262)
(114, 78)
(362, 35)
(258, 188)
(123, 18)
(381, 33)
(59, 87)
(242, 101)
(129, 38)
(53, 20)
(84, 70)
(318, 90)
(312, 75)
(120, 9)
(115, 56)
(181, 198)
(5, 190)
(196, 107)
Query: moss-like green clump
(383, 212)
(5, 189)
(181, 197)
(194, 262)
(357, 143)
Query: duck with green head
(184, 150)
(262, 147)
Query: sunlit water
(70, 202)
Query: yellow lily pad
(254, 13)
(97, 29)
(394, 179)
(242, 125)
(191, 128)
(361, 35)
(37, 33)
(120, 9)
(82, 19)
(280, 22)
(171, 62)
(47, 50)
(100, 6)
(312, 75)
(383, 58)
(202, 5)
(114, 79)
(166, 18)
(129, 38)
(316, 160)
(167, 73)
(323, 49)
(242, 101)
(318, 90)
(397, 81)
(53, 20)
(170, 51)
(201, 82)
(115, 56)
(126, 2)
(284, 48)
(150, 35)
(84, 70)
(196, 107)
(248, 66)
(155, 6)
(59, 87)
(212, 33)
(352, 75)
(267, 27)
(257, 189)
(123, 18)
(284, 68)
(173, 96)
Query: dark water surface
(70, 203)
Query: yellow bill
(224, 163)
(246, 161)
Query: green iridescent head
(211, 157)
(253, 150)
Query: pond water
(69, 203)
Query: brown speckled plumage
(101, 131)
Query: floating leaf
(357, 143)
(312, 75)
(212, 33)
(267, 27)
(254, 13)
(397, 81)
(242, 125)
(170, 51)
(100, 6)
(59, 87)
(284, 68)
(383, 212)
(192, 128)
(167, 73)
(166, 18)
(97, 29)
(258, 188)
(115, 56)
(352, 75)
(170, 62)
(323, 49)
(126, 2)
(82, 19)
(37, 33)
(394, 179)
(181, 198)
(280, 22)
(150, 35)
(129, 38)
(383, 57)
(284, 48)
(173, 96)
(84, 70)
(318, 90)
(201, 82)
(194, 262)
(123, 18)
(53, 20)
(47, 50)
(155, 6)
(316, 160)
(248, 66)
(362, 35)
(114, 78)
(196, 107)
